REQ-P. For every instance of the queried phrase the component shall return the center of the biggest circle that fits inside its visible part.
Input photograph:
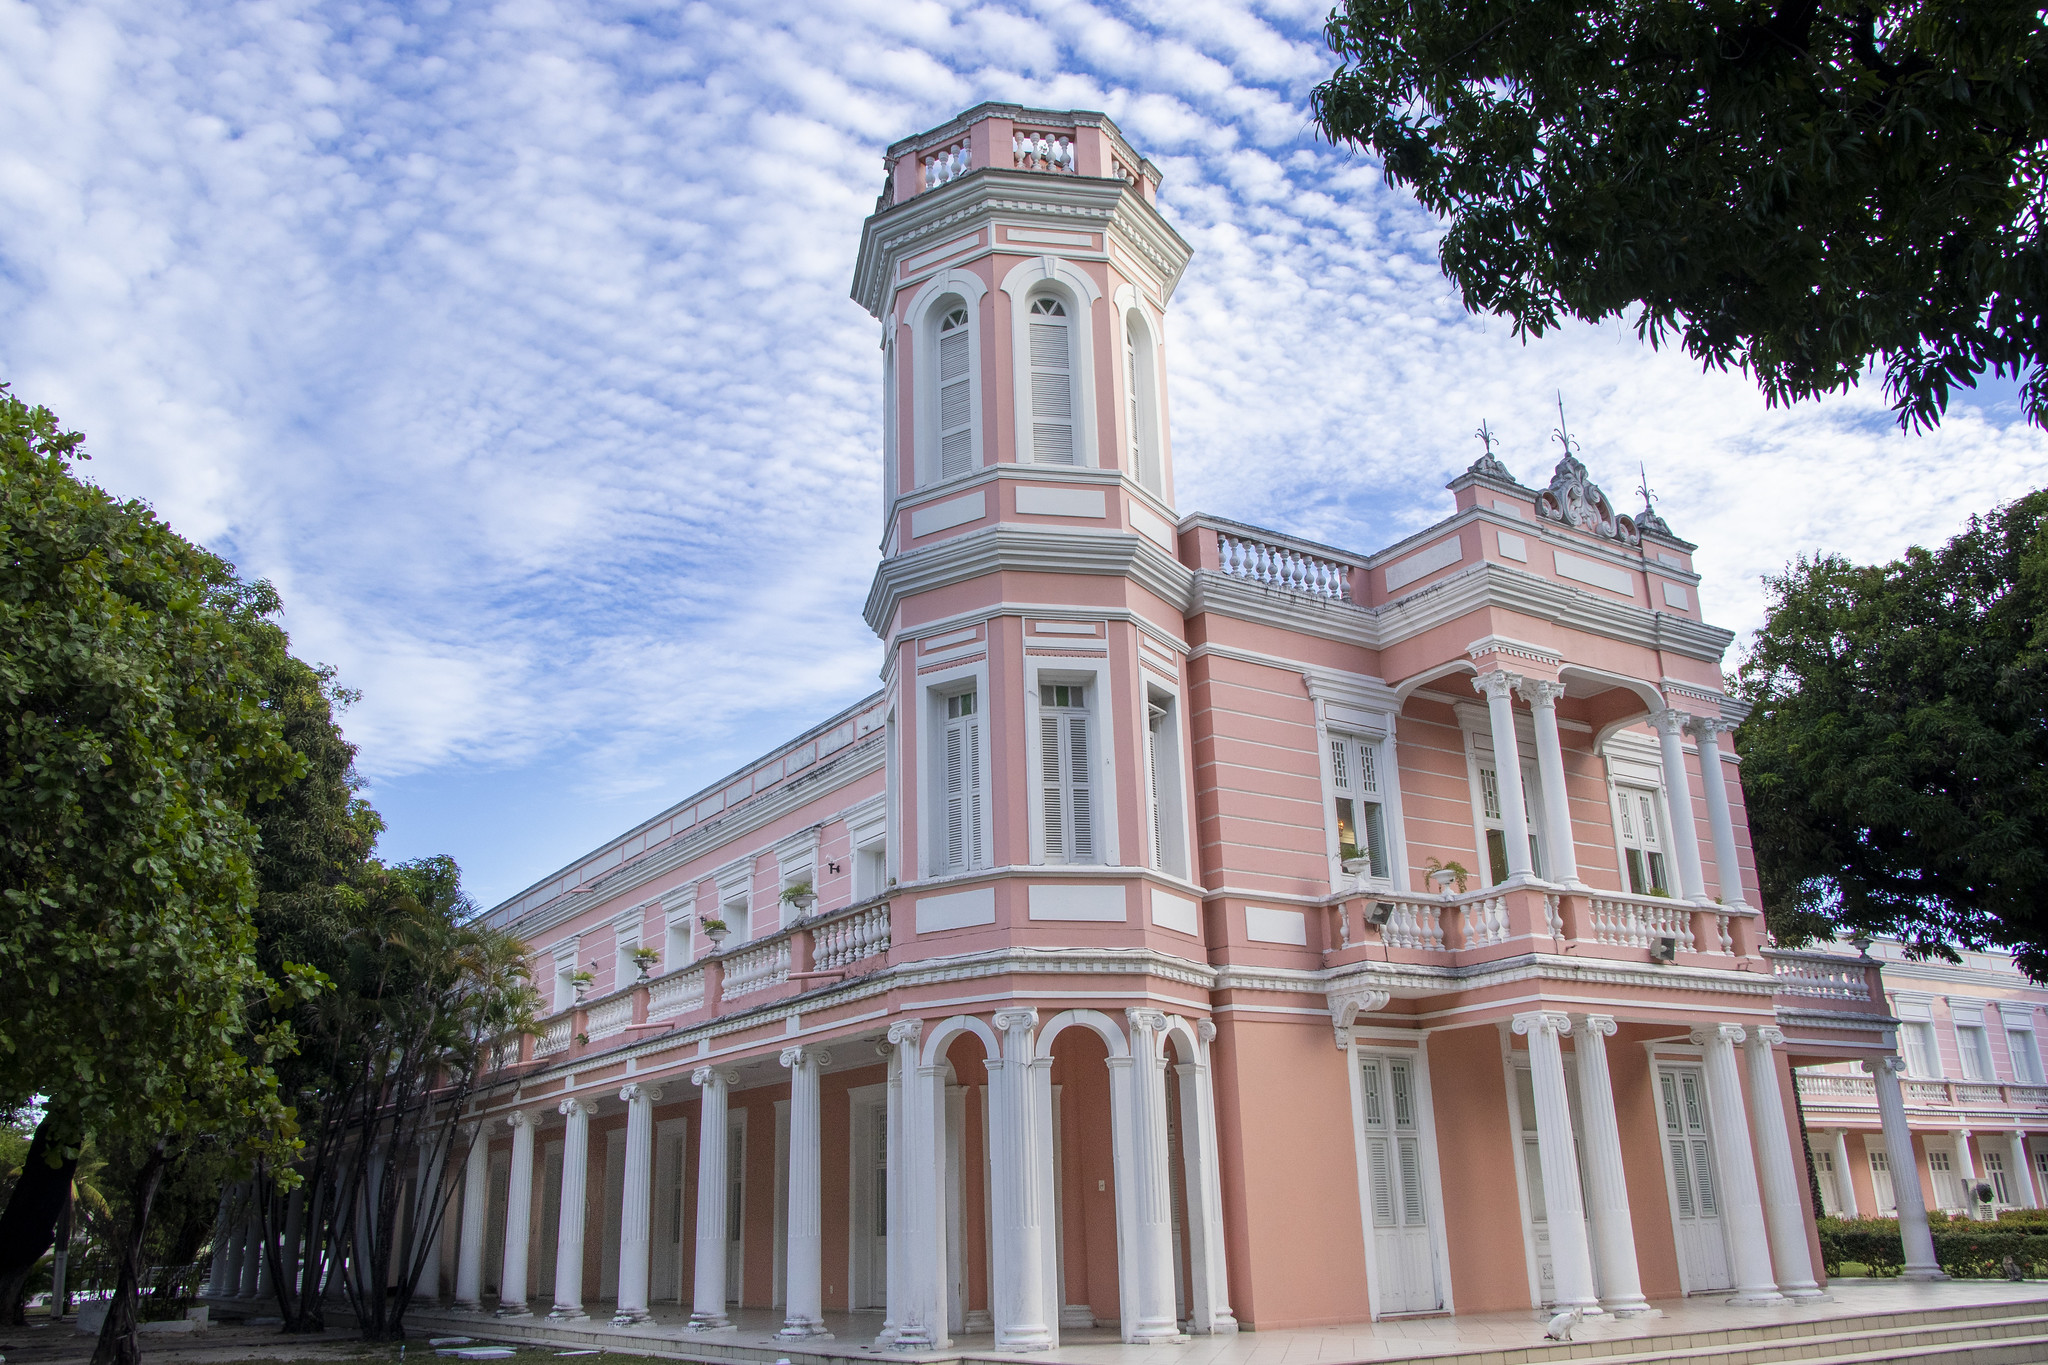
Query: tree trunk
(118, 1344)
(30, 1221)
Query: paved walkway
(1399, 1339)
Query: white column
(518, 1216)
(1209, 1296)
(803, 1284)
(1966, 1172)
(569, 1232)
(2023, 1178)
(1685, 835)
(1784, 1192)
(917, 1218)
(636, 1204)
(1152, 1195)
(1898, 1147)
(1020, 1169)
(1564, 1211)
(893, 1245)
(1742, 1211)
(1498, 689)
(217, 1286)
(1557, 808)
(1720, 822)
(469, 1264)
(707, 1298)
(1845, 1179)
(1606, 1181)
(294, 1235)
(252, 1246)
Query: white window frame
(626, 930)
(1973, 1041)
(1071, 285)
(1092, 674)
(1365, 1045)
(927, 309)
(1139, 340)
(935, 688)
(892, 426)
(2022, 1045)
(1884, 1189)
(736, 895)
(1478, 728)
(867, 839)
(1361, 740)
(679, 925)
(796, 861)
(1918, 1044)
(565, 954)
(1166, 803)
(1636, 794)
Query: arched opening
(967, 1178)
(1052, 378)
(1084, 1162)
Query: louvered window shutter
(1052, 383)
(1081, 829)
(956, 796)
(963, 784)
(972, 732)
(1066, 795)
(1138, 470)
(956, 399)
(1055, 806)
(1156, 718)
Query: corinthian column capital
(1540, 693)
(1496, 685)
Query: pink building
(1201, 927)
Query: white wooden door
(1695, 1193)
(1830, 1191)
(1404, 1248)
(869, 1214)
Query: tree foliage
(1896, 761)
(1797, 189)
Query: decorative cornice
(1016, 549)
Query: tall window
(1916, 1043)
(1881, 1181)
(1163, 784)
(956, 395)
(1140, 403)
(960, 752)
(1361, 818)
(2001, 1181)
(2026, 1054)
(1052, 382)
(1642, 846)
(1973, 1044)
(1496, 825)
(1066, 789)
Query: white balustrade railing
(554, 1038)
(1926, 1092)
(1818, 975)
(1042, 152)
(1553, 915)
(1640, 923)
(848, 939)
(608, 1017)
(945, 166)
(677, 993)
(1979, 1094)
(2033, 1096)
(1830, 1086)
(1486, 922)
(1279, 567)
(1414, 925)
(756, 969)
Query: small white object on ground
(1560, 1328)
(450, 1341)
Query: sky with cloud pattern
(512, 342)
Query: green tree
(1896, 760)
(134, 736)
(1798, 188)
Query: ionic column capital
(573, 1106)
(1007, 1020)
(522, 1118)
(804, 1055)
(905, 1031)
(1153, 1021)
(1205, 1029)
(1708, 1034)
(1600, 1025)
(1894, 1065)
(1769, 1035)
(1542, 1021)
(711, 1075)
(634, 1090)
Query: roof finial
(1647, 519)
(1489, 464)
(1563, 435)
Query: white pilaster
(1606, 1180)
(518, 1216)
(1021, 1169)
(569, 1233)
(1966, 1172)
(2022, 1176)
(1707, 731)
(1557, 808)
(636, 1204)
(707, 1298)
(1152, 1202)
(469, 1263)
(1564, 1209)
(803, 1284)
(1685, 834)
(1498, 689)
(1898, 1147)
(1845, 1179)
(1209, 1296)
(1783, 1191)
(1742, 1212)
(893, 1245)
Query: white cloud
(513, 342)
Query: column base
(1028, 1339)
(977, 1321)
(1077, 1315)
(1807, 1294)
(632, 1319)
(514, 1311)
(468, 1305)
(1923, 1276)
(568, 1312)
(1156, 1334)
(1760, 1296)
(919, 1339)
(709, 1322)
(803, 1329)
(1639, 1308)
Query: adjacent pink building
(1201, 927)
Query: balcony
(1958, 1103)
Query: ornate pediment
(1574, 499)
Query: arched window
(1052, 382)
(956, 392)
(1141, 404)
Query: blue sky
(512, 341)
